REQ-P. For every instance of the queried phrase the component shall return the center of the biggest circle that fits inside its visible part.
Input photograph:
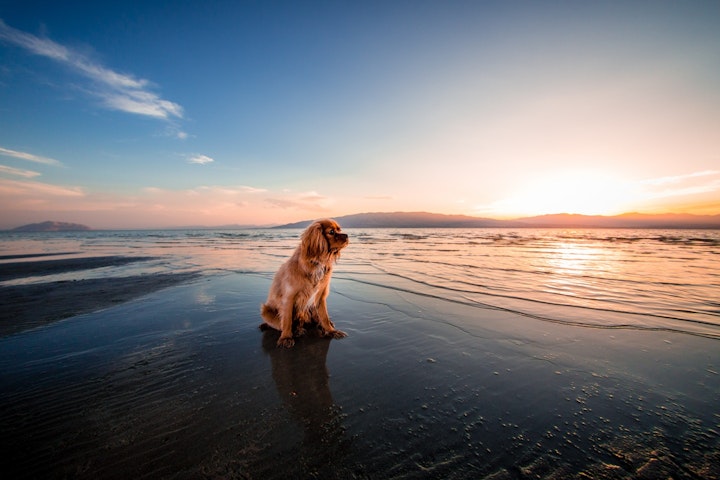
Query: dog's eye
(332, 231)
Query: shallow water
(646, 279)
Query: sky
(151, 114)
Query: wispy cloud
(680, 178)
(209, 189)
(705, 181)
(309, 201)
(235, 192)
(141, 103)
(18, 172)
(173, 131)
(29, 156)
(200, 159)
(282, 203)
(248, 189)
(12, 187)
(312, 197)
(117, 91)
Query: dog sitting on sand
(300, 287)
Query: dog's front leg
(324, 318)
(286, 321)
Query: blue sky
(152, 114)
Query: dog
(301, 285)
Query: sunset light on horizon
(157, 114)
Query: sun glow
(586, 193)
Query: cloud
(200, 159)
(118, 91)
(208, 190)
(308, 201)
(283, 203)
(15, 188)
(18, 172)
(695, 183)
(312, 197)
(247, 189)
(680, 178)
(29, 156)
(141, 103)
(173, 131)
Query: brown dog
(300, 288)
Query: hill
(562, 220)
(408, 220)
(626, 220)
(51, 227)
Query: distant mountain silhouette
(51, 227)
(626, 220)
(562, 220)
(408, 220)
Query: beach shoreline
(37, 304)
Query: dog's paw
(286, 342)
(300, 332)
(336, 334)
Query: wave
(605, 318)
(703, 238)
(708, 330)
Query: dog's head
(323, 237)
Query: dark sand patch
(36, 255)
(29, 306)
(9, 271)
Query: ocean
(599, 278)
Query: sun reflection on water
(578, 269)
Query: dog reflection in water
(303, 382)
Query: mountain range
(437, 220)
(52, 227)
(562, 220)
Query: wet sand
(180, 383)
(29, 306)
(12, 270)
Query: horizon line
(239, 226)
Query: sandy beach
(180, 383)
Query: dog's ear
(313, 241)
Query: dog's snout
(341, 237)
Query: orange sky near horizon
(567, 192)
